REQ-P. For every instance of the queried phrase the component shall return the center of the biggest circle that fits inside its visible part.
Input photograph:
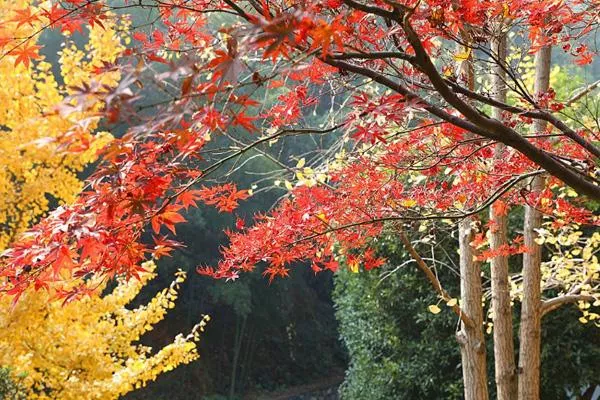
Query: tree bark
(470, 338)
(504, 351)
(531, 310)
(240, 329)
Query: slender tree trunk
(245, 358)
(471, 339)
(504, 350)
(239, 336)
(531, 316)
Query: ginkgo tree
(36, 142)
(422, 136)
(89, 349)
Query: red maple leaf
(55, 14)
(64, 259)
(500, 208)
(168, 218)
(189, 198)
(25, 16)
(25, 53)
(164, 246)
(241, 119)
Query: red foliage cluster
(317, 223)
(140, 182)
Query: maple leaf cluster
(140, 183)
(429, 174)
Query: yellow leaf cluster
(85, 349)
(572, 266)
(34, 168)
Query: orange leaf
(25, 53)
(189, 198)
(169, 217)
(500, 208)
(25, 16)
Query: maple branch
(215, 166)
(518, 86)
(571, 176)
(44, 27)
(582, 92)
(536, 114)
(557, 302)
(435, 282)
(492, 102)
(421, 59)
(492, 127)
(237, 9)
(377, 55)
(492, 199)
(465, 124)
(410, 96)
(256, 6)
(369, 9)
(570, 133)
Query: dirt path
(294, 391)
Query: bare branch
(557, 302)
(437, 286)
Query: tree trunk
(471, 339)
(504, 350)
(531, 316)
(239, 337)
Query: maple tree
(417, 134)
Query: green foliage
(570, 354)
(10, 387)
(399, 350)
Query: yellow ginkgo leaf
(452, 302)
(434, 309)
(408, 203)
(463, 55)
(571, 193)
(322, 217)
